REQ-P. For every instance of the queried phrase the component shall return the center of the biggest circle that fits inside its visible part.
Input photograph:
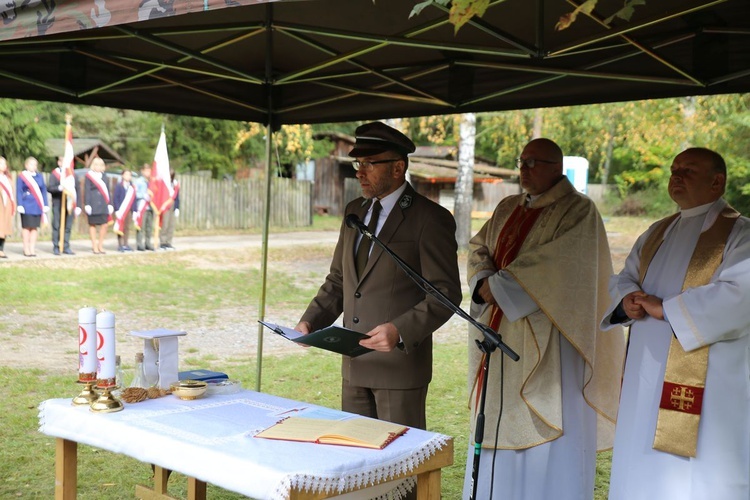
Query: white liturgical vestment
(547, 414)
(717, 315)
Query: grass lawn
(201, 290)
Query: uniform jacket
(120, 191)
(422, 233)
(53, 185)
(93, 197)
(25, 198)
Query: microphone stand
(492, 339)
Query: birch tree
(464, 191)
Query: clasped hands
(639, 304)
(382, 338)
(485, 292)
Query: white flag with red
(67, 174)
(160, 188)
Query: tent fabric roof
(317, 61)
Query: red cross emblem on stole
(682, 398)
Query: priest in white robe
(687, 299)
(538, 273)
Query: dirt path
(233, 340)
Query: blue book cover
(201, 375)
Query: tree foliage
(461, 11)
(292, 145)
(23, 130)
(646, 136)
(631, 144)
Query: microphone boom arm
(491, 337)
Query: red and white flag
(67, 175)
(160, 187)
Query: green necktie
(363, 252)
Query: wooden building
(432, 171)
(84, 150)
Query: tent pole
(267, 207)
(264, 258)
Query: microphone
(355, 223)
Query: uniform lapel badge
(405, 201)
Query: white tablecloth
(212, 439)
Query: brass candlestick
(88, 395)
(107, 402)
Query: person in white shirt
(683, 428)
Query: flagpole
(61, 229)
(63, 199)
(157, 218)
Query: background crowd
(60, 199)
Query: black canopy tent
(318, 61)
(313, 61)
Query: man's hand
(633, 309)
(303, 327)
(383, 338)
(486, 294)
(21, 209)
(652, 305)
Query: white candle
(105, 349)
(87, 344)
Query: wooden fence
(209, 204)
(213, 204)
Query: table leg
(161, 479)
(196, 489)
(66, 469)
(159, 491)
(428, 485)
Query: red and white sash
(102, 187)
(124, 210)
(167, 206)
(140, 212)
(28, 179)
(6, 193)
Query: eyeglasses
(367, 166)
(531, 162)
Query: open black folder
(333, 338)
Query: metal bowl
(189, 389)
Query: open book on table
(333, 338)
(358, 431)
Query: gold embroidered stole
(509, 242)
(685, 377)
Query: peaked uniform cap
(377, 137)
